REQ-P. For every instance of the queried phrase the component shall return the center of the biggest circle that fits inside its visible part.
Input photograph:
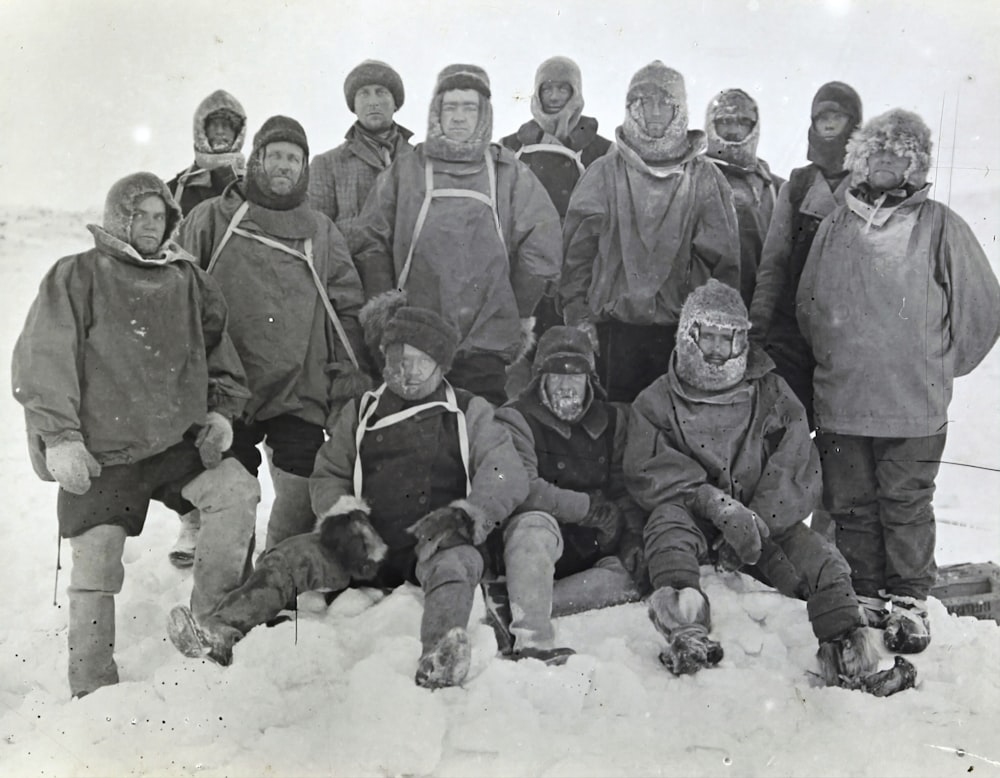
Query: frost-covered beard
(671, 146)
(410, 388)
(567, 402)
(695, 370)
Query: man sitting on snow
(412, 479)
(719, 452)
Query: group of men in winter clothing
(359, 315)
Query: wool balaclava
(372, 71)
(564, 351)
(899, 132)
(828, 153)
(219, 104)
(274, 130)
(718, 305)
(437, 145)
(738, 104)
(125, 194)
(656, 77)
(562, 123)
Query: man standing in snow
(732, 124)
(413, 478)
(340, 179)
(650, 221)
(466, 230)
(129, 382)
(896, 299)
(294, 297)
(220, 125)
(579, 525)
(719, 452)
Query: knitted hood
(274, 130)
(718, 305)
(656, 77)
(219, 101)
(733, 103)
(436, 144)
(899, 132)
(828, 153)
(559, 124)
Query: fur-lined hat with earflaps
(899, 132)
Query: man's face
(374, 106)
(734, 128)
(283, 164)
(830, 124)
(567, 393)
(719, 344)
(459, 113)
(887, 170)
(149, 223)
(409, 372)
(554, 95)
(220, 133)
(657, 112)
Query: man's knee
(224, 486)
(533, 531)
(459, 564)
(97, 560)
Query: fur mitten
(741, 527)
(348, 534)
(215, 437)
(605, 516)
(72, 465)
(441, 528)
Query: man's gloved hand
(632, 554)
(741, 527)
(354, 542)
(215, 437)
(72, 465)
(441, 528)
(726, 560)
(606, 517)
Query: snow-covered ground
(334, 693)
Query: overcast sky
(92, 90)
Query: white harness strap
(306, 257)
(366, 409)
(531, 148)
(430, 193)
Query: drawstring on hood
(436, 144)
(561, 124)
(219, 102)
(738, 104)
(828, 153)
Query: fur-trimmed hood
(898, 131)
(219, 100)
(119, 208)
(656, 77)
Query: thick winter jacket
(200, 185)
(894, 302)
(124, 353)
(639, 239)
(789, 237)
(564, 461)
(754, 195)
(752, 442)
(414, 466)
(277, 320)
(558, 173)
(460, 269)
(340, 179)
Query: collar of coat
(357, 145)
(108, 244)
(390, 403)
(759, 364)
(594, 421)
(581, 136)
(878, 213)
(298, 223)
(696, 146)
(760, 168)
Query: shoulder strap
(551, 148)
(798, 184)
(233, 223)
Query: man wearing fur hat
(220, 125)
(811, 193)
(465, 229)
(732, 124)
(578, 526)
(294, 297)
(129, 382)
(413, 478)
(340, 179)
(896, 299)
(651, 220)
(719, 452)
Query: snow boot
(498, 614)
(690, 649)
(682, 617)
(201, 640)
(846, 660)
(908, 630)
(876, 611)
(553, 657)
(902, 675)
(447, 663)
(182, 554)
